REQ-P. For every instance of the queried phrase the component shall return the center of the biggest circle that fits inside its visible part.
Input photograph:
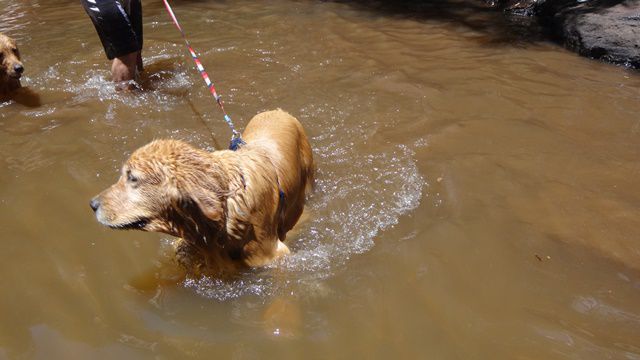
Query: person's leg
(139, 62)
(120, 33)
(135, 14)
(123, 67)
(126, 67)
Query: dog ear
(198, 217)
(209, 204)
(207, 201)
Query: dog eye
(131, 178)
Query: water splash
(97, 86)
(348, 211)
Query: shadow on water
(550, 8)
(497, 21)
(492, 25)
(27, 97)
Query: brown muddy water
(477, 195)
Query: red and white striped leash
(236, 139)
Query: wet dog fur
(230, 209)
(11, 67)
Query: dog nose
(95, 204)
(18, 68)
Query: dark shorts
(119, 25)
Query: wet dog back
(290, 152)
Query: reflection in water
(14, 19)
(476, 191)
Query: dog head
(10, 65)
(166, 186)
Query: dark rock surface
(521, 7)
(599, 30)
(607, 30)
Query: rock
(521, 7)
(597, 29)
(610, 34)
(514, 7)
(607, 30)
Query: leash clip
(236, 141)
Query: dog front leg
(260, 252)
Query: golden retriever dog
(11, 67)
(230, 209)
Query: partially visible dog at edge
(11, 67)
(229, 209)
